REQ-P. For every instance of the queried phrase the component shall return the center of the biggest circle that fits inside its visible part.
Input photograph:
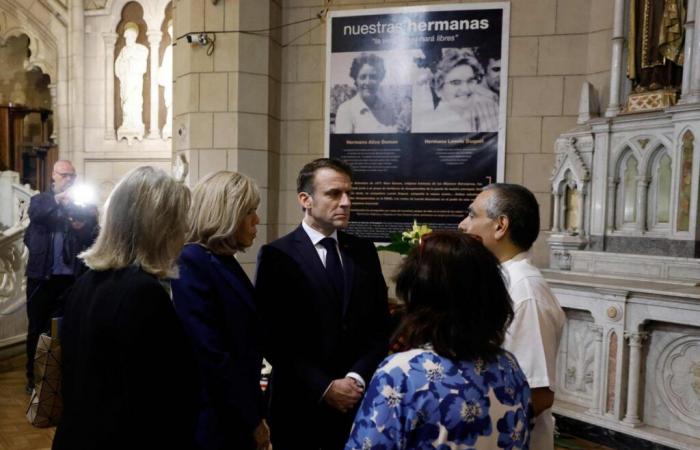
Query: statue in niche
(165, 79)
(572, 207)
(656, 38)
(130, 68)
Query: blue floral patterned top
(420, 400)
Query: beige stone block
(523, 134)
(295, 137)
(514, 168)
(317, 137)
(252, 131)
(565, 54)
(94, 116)
(263, 208)
(214, 15)
(540, 252)
(200, 61)
(186, 90)
(297, 34)
(274, 134)
(226, 54)
(182, 60)
(290, 211)
(537, 96)
(231, 15)
(276, 21)
(275, 67)
(226, 130)
(289, 63)
(601, 86)
(545, 201)
(573, 16)
(213, 92)
(572, 94)
(252, 93)
(536, 170)
(312, 63)
(274, 99)
(552, 127)
(201, 130)
(290, 165)
(532, 17)
(211, 160)
(523, 56)
(233, 91)
(302, 101)
(255, 15)
(191, 16)
(300, 3)
(599, 51)
(254, 54)
(602, 14)
(254, 164)
(317, 33)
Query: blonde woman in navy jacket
(214, 299)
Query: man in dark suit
(323, 300)
(59, 229)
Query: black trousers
(43, 302)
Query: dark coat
(312, 338)
(46, 217)
(128, 371)
(214, 299)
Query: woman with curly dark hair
(453, 385)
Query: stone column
(110, 39)
(154, 38)
(53, 89)
(616, 66)
(556, 219)
(635, 371)
(581, 209)
(597, 405)
(642, 192)
(73, 148)
(612, 200)
(688, 50)
(694, 65)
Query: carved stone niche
(570, 186)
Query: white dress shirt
(533, 336)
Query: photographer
(58, 230)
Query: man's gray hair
(520, 206)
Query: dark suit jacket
(214, 299)
(47, 217)
(128, 371)
(311, 337)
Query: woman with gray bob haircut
(214, 299)
(127, 371)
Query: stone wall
(256, 105)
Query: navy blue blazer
(312, 337)
(214, 299)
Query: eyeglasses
(72, 175)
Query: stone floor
(17, 434)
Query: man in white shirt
(506, 218)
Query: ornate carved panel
(576, 362)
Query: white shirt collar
(519, 257)
(316, 235)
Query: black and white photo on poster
(415, 105)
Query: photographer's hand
(63, 198)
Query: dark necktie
(333, 267)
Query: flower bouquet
(402, 243)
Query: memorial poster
(416, 104)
